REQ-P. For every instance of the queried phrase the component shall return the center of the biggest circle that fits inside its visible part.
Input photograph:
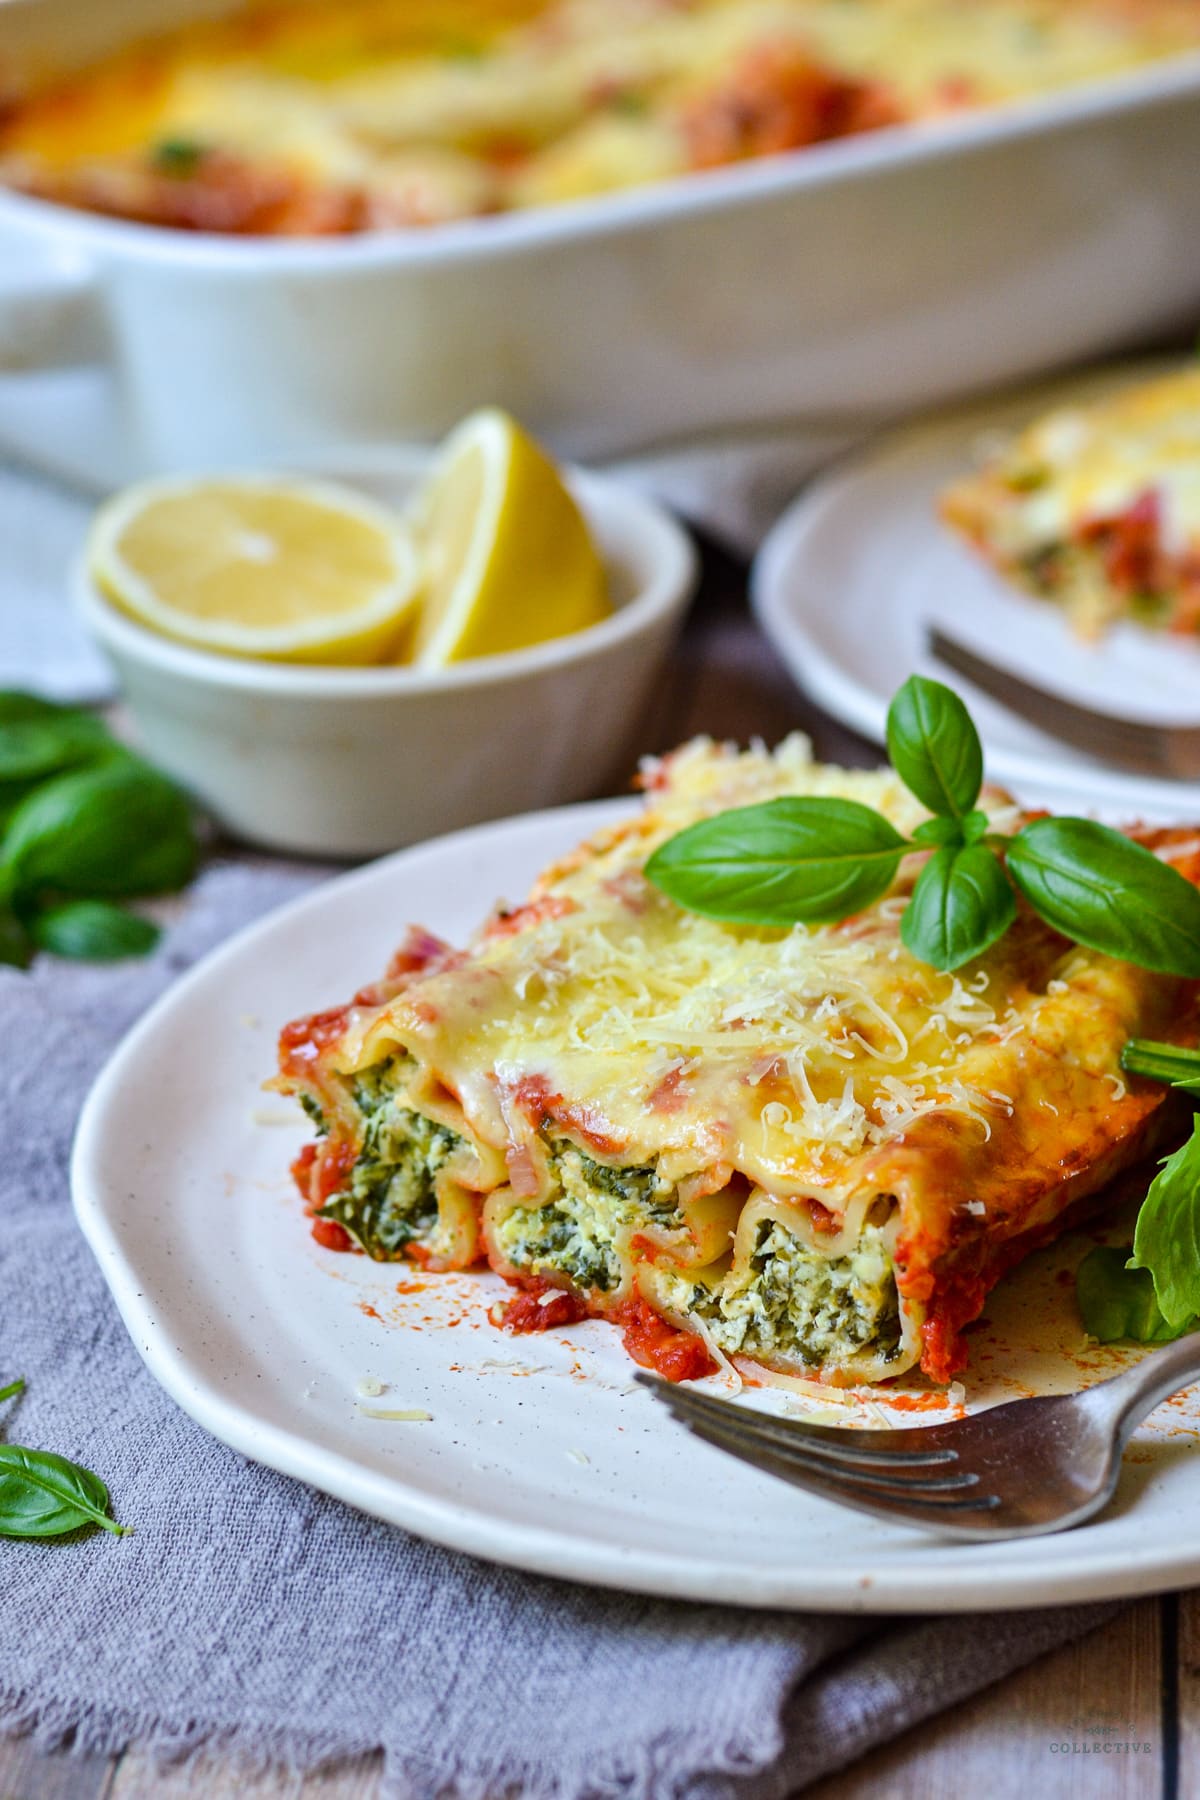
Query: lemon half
(288, 569)
(507, 557)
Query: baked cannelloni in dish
(295, 118)
(1098, 508)
(802, 1149)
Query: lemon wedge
(292, 570)
(507, 559)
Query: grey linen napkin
(252, 1615)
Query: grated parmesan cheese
(407, 1415)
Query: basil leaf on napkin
(1095, 886)
(780, 862)
(43, 1495)
(93, 931)
(119, 829)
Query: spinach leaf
(960, 904)
(1166, 1239)
(934, 747)
(783, 861)
(1118, 1302)
(93, 931)
(1097, 887)
(120, 829)
(43, 1495)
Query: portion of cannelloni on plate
(1097, 507)
(800, 1149)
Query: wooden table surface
(1115, 1716)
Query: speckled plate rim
(1045, 1571)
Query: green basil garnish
(808, 861)
(780, 862)
(961, 905)
(45, 1496)
(1166, 1241)
(116, 830)
(1097, 887)
(93, 931)
(1117, 1302)
(83, 822)
(934, 747)
(1163, 1062)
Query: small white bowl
(351, 762)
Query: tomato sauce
(654, 1344)
(538, 1308)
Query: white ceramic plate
(847, 581)
(540, 1451)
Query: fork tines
(877, 1470)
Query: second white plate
(849, 579)
(538, 1451)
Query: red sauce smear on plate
(654, 1344)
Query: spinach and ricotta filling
(577, 1233)
(390, 1200)
(792, 1301)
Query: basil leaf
(31, 749)
(120, 829)
(974, 826)
(1166, 1239)
(933, 833)
(961, 903)
(1097, 887)
(1163, 1062)
(935, 747)
(783, 861)
(1117, 1302)
(16, 948)
(13, 1389)
(16, 705)
(93, 931)
(43, 1495)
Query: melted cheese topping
(435, 109)
(1079, 464)
(822, 1062)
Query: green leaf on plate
(1117, 1302)
(1096, 886)
(934, 746)
(781, 862)
(1166, 1240)
(961, 904)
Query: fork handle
(1129, 1397)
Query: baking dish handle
(50, 313)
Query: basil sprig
(45, 1496)
(805, 860)
(1150, 1291)
(84, 824)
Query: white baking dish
(836, 286)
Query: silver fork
(1150, 749)
(1017, 1470)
